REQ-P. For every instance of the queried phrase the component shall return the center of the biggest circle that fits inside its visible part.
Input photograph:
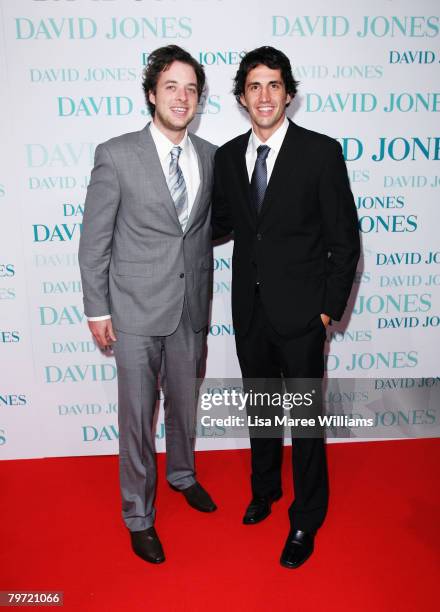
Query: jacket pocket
(131, 268)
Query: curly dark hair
(270, 57)
(159, 60)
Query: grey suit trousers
(178, 359)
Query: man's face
(265, 98)
(176, 97)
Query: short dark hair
(270, 57)
(159, 60)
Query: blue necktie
(177, 187)
(259, 177)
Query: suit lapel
(202, 171)
(150, 161)
(287, 166)
(243, 176)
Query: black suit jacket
(303, 247)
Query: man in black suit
(284, 193)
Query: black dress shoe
(147, 546)
(259, 509)
(198, 498)
(298, 548)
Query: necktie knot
(175, 153)
(262, 152)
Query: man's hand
(103, 332)
(325, 319)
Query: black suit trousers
(264, 354)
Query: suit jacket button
(181, 275)
(259, 236)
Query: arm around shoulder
(221, 219)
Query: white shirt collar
(164, 144)
(275, 141)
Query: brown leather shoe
(198, 498)
(147, 546)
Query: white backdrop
(71, 78)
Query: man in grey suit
(146, 258)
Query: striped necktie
(177, 187)
(259, 177)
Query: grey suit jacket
(136, 262)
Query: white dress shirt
(189, 164)
(274, 142)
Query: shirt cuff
(102, 318)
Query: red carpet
(378, 550)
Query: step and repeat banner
(71, 78)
